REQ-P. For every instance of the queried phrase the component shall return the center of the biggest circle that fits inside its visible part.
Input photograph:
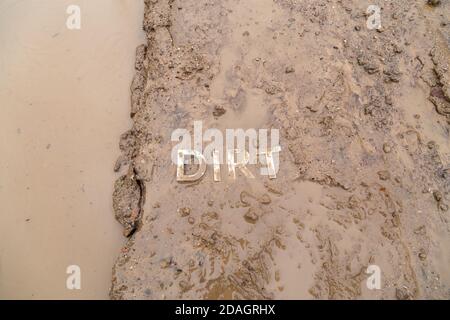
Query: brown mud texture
(364, 178)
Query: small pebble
(387, 148)
(384, 175)
(290, 70)
(422, 255)
(437, 195)
(184, 212)
(251, 216)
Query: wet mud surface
(364, 119)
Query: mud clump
(434, 3)
(127, 201)
(251, 216)
(219, 111)
(384, 175)
(184, 212)
(402, 294)
(440, 94)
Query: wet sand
(64, 99)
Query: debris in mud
(312, 108)
(402, 294)
(434, 2)
(437, 195)
(384, 175)
(166, 263)
(440, 101)
(184, 212)
(265, 199)
(289, 70)
(219, 111)
(422, 255)
(393, 73)
(440, 94)
(368, 64)
(387, 148)
(251, 216)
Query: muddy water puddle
(64, 97)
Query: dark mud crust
(128, 200)
(364, 169)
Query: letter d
(181, 176)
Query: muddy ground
(364, 119)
